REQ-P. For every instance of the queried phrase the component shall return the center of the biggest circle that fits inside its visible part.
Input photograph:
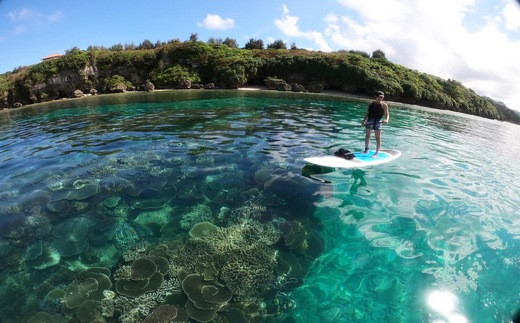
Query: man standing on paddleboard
(374, 120)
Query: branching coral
(107, 304)
(237, 236)
(197, 214)
(249, 210)
(249, 272)
(136, 251)
(162, 314)
(135, 309)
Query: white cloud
(289, 27)
(27, 19)
(21, 14)
(55, 16)
(285, 10)
(216, 22)
(20, 29)
(25, 14)
(511, 13)
(430, 36)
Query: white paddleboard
(361, 159)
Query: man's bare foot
(375, 155)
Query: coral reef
(71, 236)
(84, 295)
(302, 239)
(203, 229)
(135, 309)
(162, 314)
(146, 275)
(204, 298)
(125, 235)
(82, 189)
(185, 239)
(41, 255)
(199, 213)
(249, 272)
(43, 317)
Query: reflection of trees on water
(453, 125)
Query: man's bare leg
(378, 142)
(367, 139)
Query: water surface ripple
(431, 236)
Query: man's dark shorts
(374, 124)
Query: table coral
(145, 276)
(205, 298)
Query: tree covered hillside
(195, 64)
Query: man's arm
(365, 119)
(386, 112)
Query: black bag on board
(344, 153)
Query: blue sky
(474, 41)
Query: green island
(221, 64)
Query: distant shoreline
(252, 88)
(249, 88)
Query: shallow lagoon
(108, 181)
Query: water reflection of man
(359, 180)
(374, 119)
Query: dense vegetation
(193, 63)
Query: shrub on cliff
(5, 85)
(174, 76)
(235, 71)
(117, 83)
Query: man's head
(380, 95)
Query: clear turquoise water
(431, 236)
